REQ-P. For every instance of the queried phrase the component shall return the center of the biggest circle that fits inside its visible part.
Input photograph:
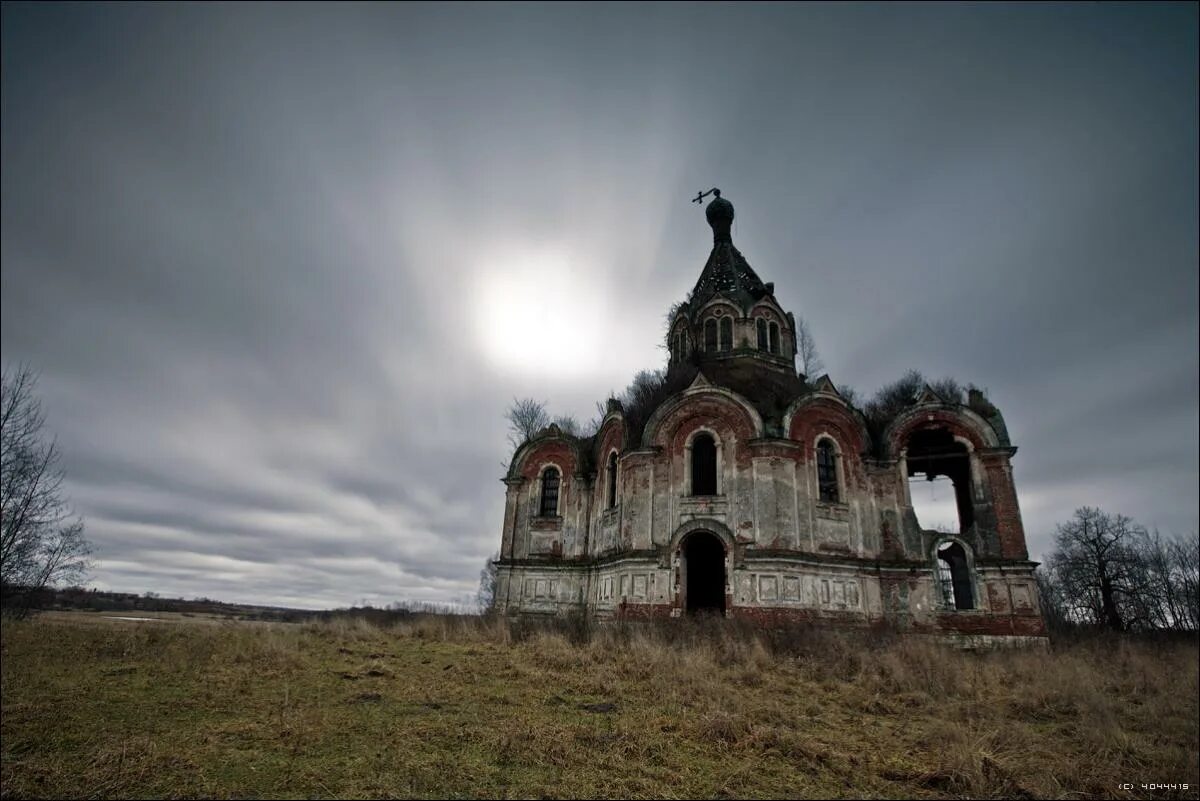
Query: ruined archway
(702, 569)
(935, 453)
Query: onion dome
(720, 217)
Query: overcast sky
(283, 268)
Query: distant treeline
(80, 598)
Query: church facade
(743, 488)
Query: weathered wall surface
(857, 560)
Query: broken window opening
(774, 336)
(726, 333)
(933, 503)
(761, 325)
(710, 334)
(612, 479)
(935, 455)
(954, 576)
(704, 465)
(827, 480)
(550, 484)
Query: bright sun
(539, 313)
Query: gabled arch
(549, 446)
(719, 302)
(829, 404)
(700, 388)
(960, 420)
(611, 432)
(768, 303)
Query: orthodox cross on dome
(719, 214)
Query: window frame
(829, 483)
(691, 463)
(542, 491)
(950, 580)
(611, 484)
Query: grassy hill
(458, 707)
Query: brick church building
(747, 489)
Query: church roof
(726, 273)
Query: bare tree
(1098, 570)
(1054, 607)
(949, 389)
(1184, 555)
(1109, 571)
(526, 417)
(893, 398)
(1166, 570)
(41, 541)
(644, 390)
(850, 395)
(592, 427)
(806, 349)
(486, 596)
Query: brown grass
(443, 706)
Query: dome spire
(727, 272)
(719, 213)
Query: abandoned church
(747, 489)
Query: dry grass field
(101, 708)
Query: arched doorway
(704, 573)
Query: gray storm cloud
(283, 268)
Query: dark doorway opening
(704, 572)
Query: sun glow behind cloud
(537, 311)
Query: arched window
(774, 338)
(726, 333)
(827, 479)
(550, 484)
(710, 335)
(704, 465)
(954, 576)
(761, 325)
(612, 479)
